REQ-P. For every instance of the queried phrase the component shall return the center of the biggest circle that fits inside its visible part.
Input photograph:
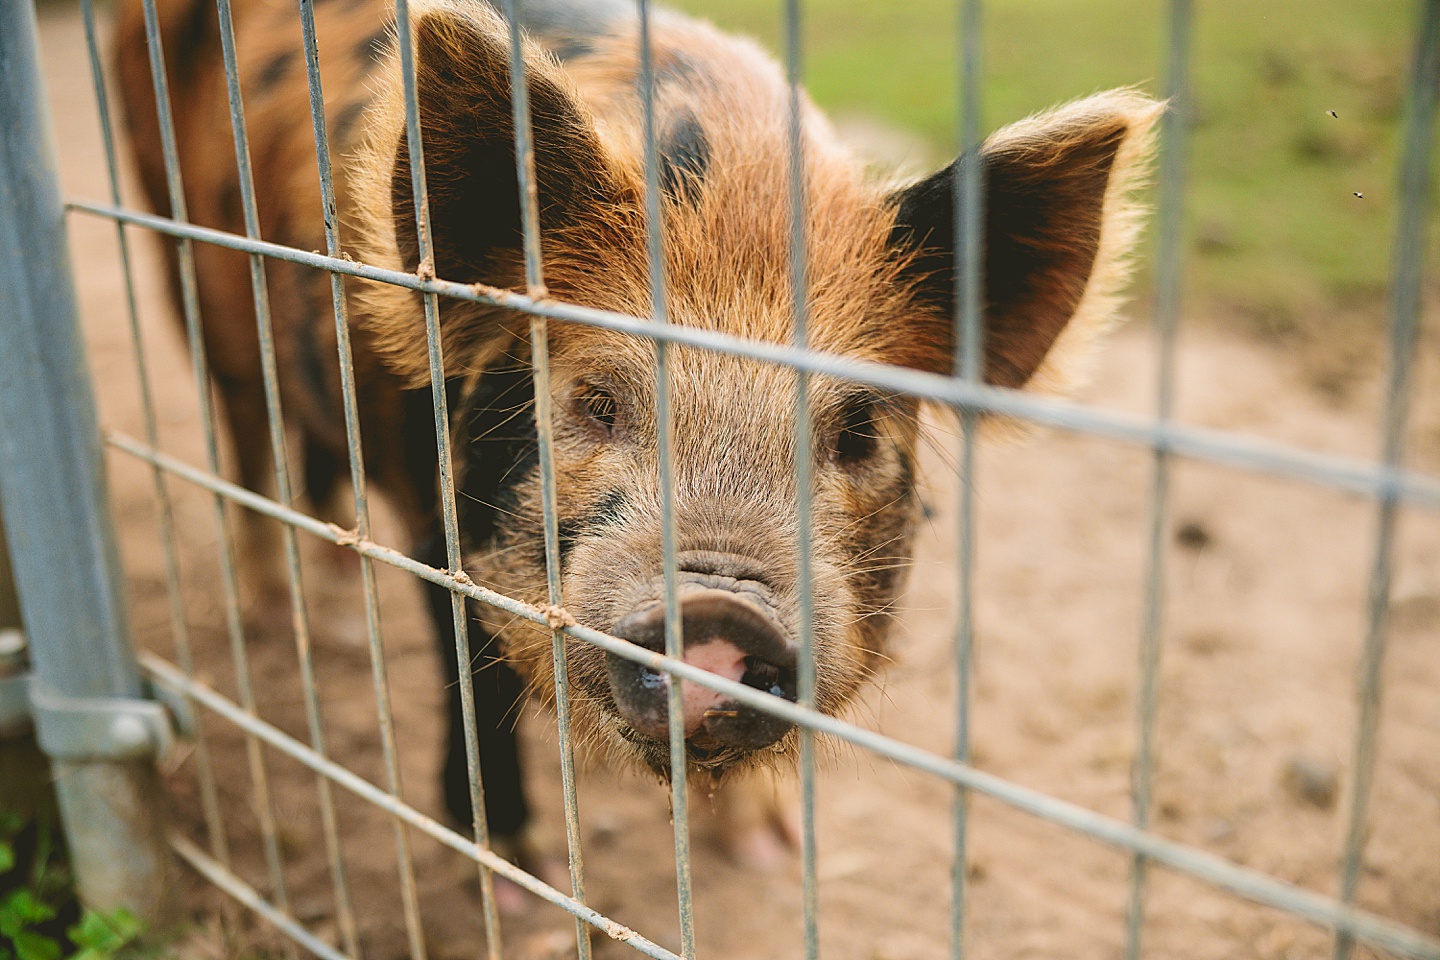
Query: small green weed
(40, 918)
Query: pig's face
(736, 532)
(880, 285)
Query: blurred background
(1297, 106)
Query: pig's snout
(725, 634)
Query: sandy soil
(1266, 582)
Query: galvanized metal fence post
(86, 692)
(24, 773)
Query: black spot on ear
(499, 451)
(274, 71)
(467, 128)
(684, 157)
(374, 47)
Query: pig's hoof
(763, 848)
(513, 900)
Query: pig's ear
(1060, 224)
(462, 68)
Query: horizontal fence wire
(1243, 881)
(1199, 443)
(170, 678)
(247, 896)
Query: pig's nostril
(759, 674)
(726, 633)
(769, 677)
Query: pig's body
(880, 287)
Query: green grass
(1274, 230)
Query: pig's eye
(857, 439)
(600, 407)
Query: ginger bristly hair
(1061, 212)
(590, 212)
(1061, 219)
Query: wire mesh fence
(1386, 481)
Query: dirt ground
(1266, 585)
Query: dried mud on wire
(1266, 609)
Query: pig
(1060, 222)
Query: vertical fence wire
(544, 435)
(1367, 478)
(445, 462)
(969, 365)
(1409, 254)
(358, 484)
(674, 632)
(204, 770)
(1169, 267)
(299, 611)
(805, 687)
(190, 309)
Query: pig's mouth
(726, 632)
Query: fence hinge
(78, 729)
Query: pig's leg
(243, 404)
(326, 474)
(324, 471)
(498, 691)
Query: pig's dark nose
(725, 634)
